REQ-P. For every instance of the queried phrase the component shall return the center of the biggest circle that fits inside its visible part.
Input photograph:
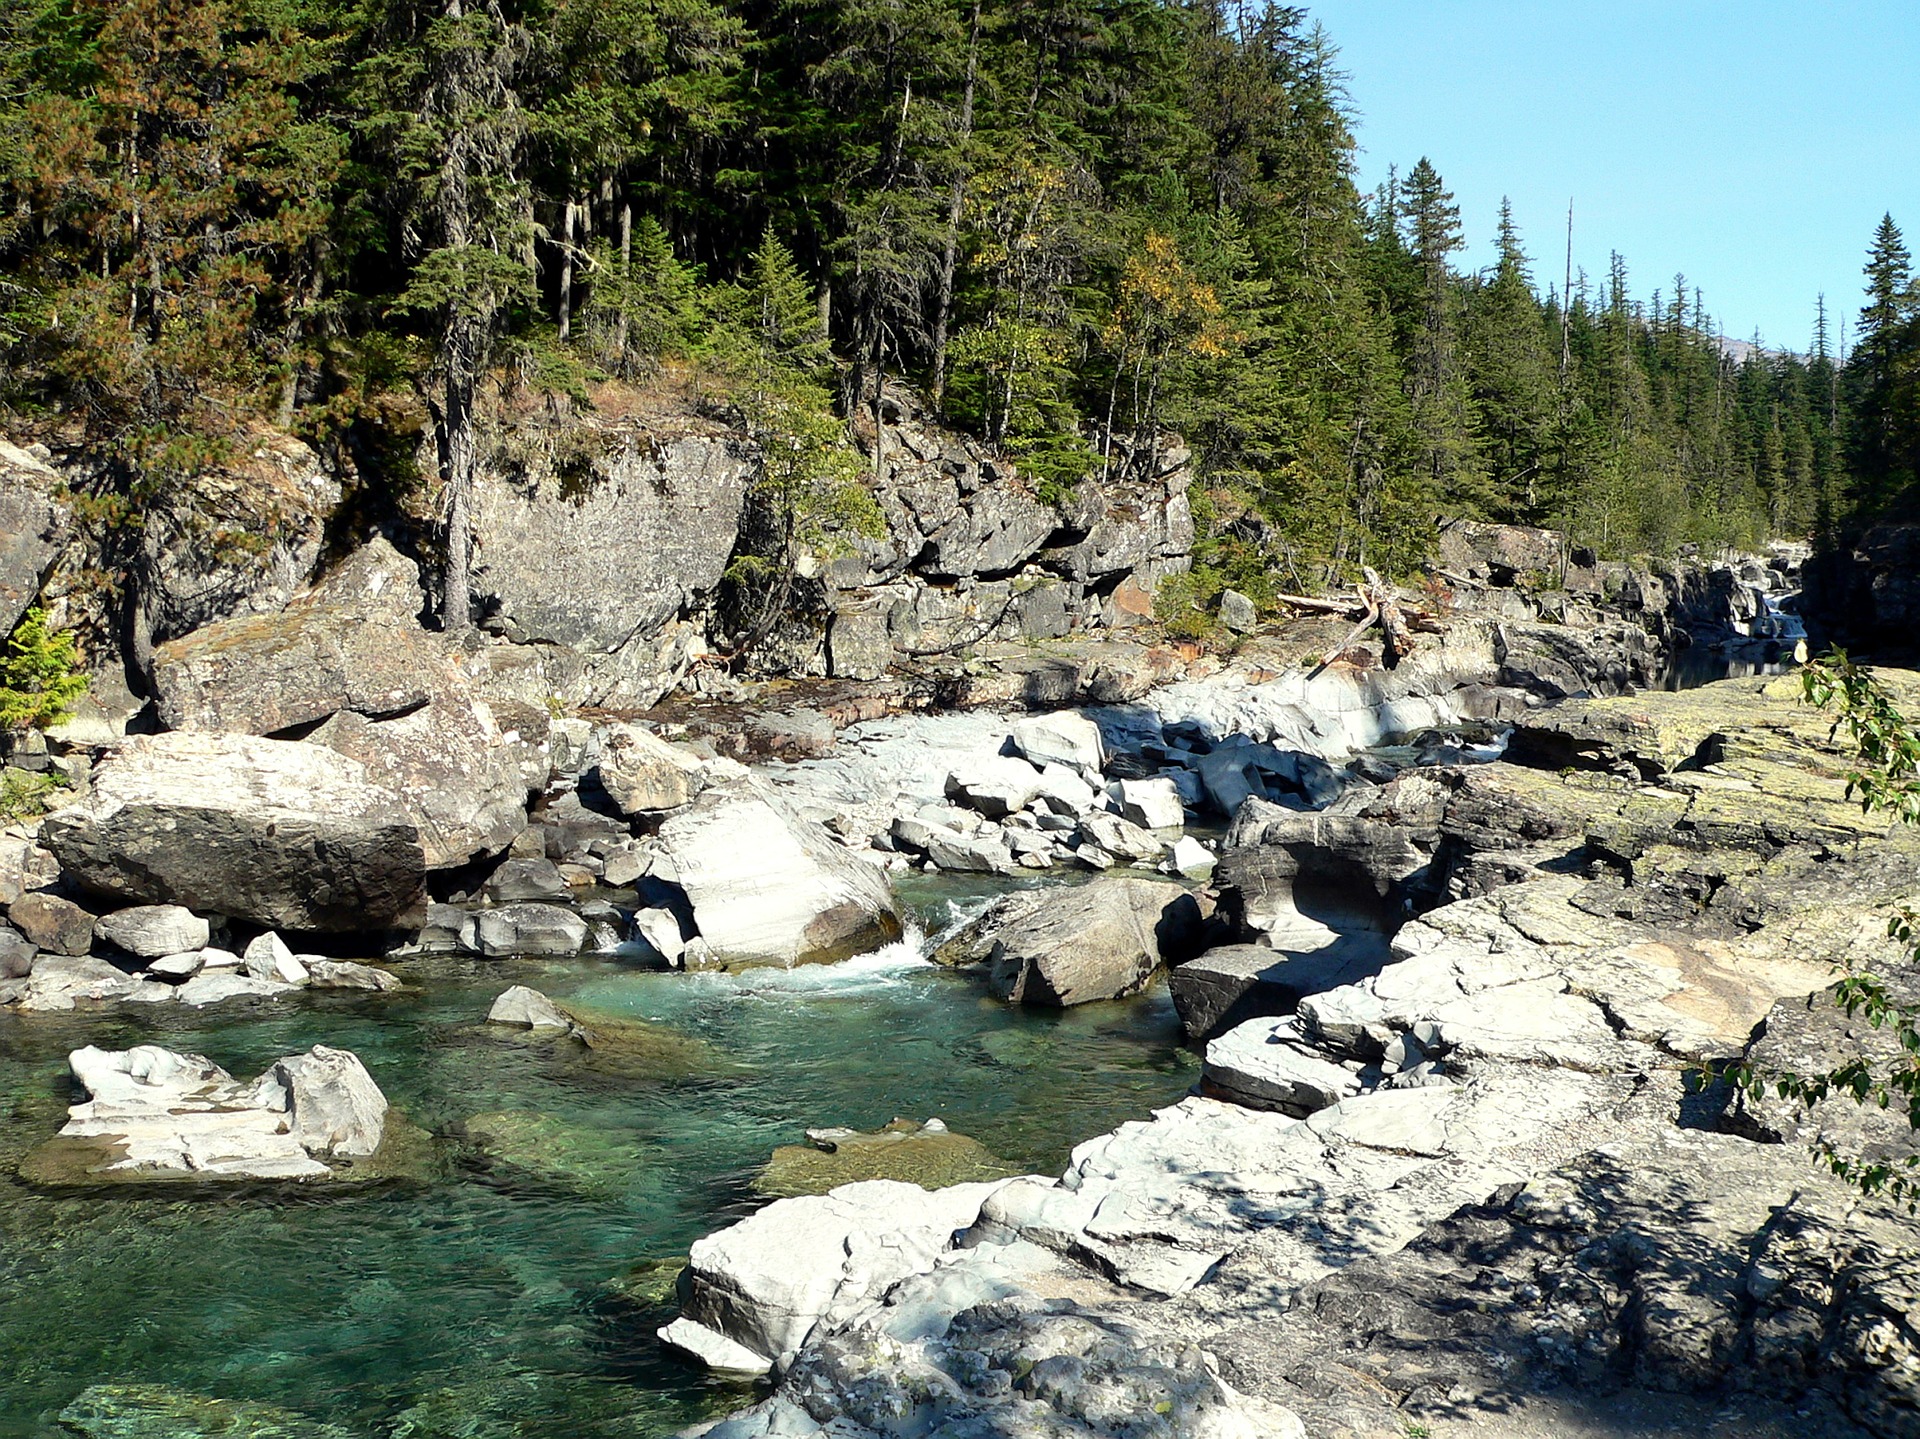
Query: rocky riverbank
(1449, 931)
(1465, 1191)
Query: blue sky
(1751, 144)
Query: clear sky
(1750, 144)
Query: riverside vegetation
(713, 759)
(1066, 223)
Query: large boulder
(288, 835)
(53, 923)
(754, 1291)
(154, 1115)
(351, 642)
(592, 556)
(61, 982)
(643, 774)
(768, 887)
(275, 496)
(32, 525)
(153, 930)
(1064, 947)
(523, 929)
(1233, 983)
(457, 773)
(1063, 738)
(16, 953)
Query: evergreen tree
(1510, 372)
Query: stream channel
(489, 1297)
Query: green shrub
(25, 795)
(39, 675)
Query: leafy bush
(39, 675)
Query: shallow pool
(491, 1296)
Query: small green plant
(25, 795)
(1182, 606)
(1887, 779)
(39, 675)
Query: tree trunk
(565, 316)
(626, 284)
(956, 203)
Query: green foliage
(39, 675)
(1887, 779)
(1081, 227)
(26, 795)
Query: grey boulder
(153, 930)
(457, 772)
(1063, 947)
(156, 1115)
(523, 929)
(1064, 738)
(754, 1291)
(769, 888)
(288, 835)
(643, 774)
(16, 954)
(528, 1008)
(53, 923)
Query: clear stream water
(485, 1298)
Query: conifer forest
(1069, 225)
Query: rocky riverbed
(392, 971)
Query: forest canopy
(1062, 220)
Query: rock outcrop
(604, 553)
(32, 528)
(755, 1291)
(351, 642)
(285, 834)
(1477, 1170)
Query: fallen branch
(1321, 607)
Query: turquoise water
(484, 1297)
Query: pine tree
(447, 116)
(1883, 377)
(1510, 370)
(1442, 407)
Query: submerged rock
(154, 1411)
(930, 1155)
(588, 1161)
(154, 1115)
(287, 835)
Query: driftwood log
(1374, 603)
